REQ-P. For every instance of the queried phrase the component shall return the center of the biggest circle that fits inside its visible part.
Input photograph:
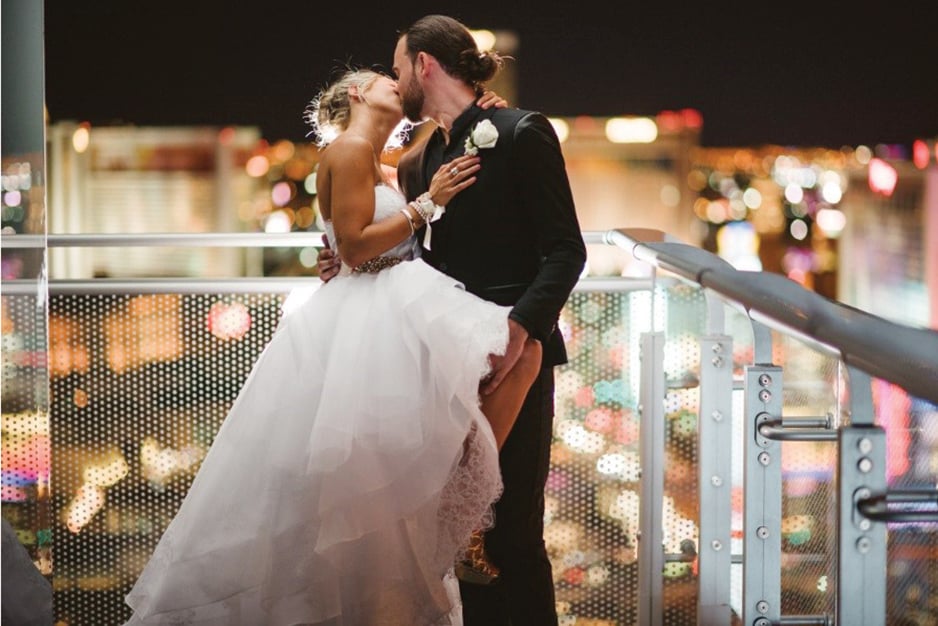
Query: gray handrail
(900, 354)
(180, 240)
(245, 285)
(185, 240)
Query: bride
(358, 458)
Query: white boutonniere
(483, 136)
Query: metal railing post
(861, 549)
(714, 462)
(651, 459)
(762, 543)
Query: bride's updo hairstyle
(451, 43)
(330, 110)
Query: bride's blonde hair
(329, 112)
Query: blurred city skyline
(793, 74)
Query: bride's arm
(351, 183)
(352, 200)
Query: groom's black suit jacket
(512, 237)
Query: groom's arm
(545, 192)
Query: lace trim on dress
(469, 489)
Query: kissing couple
(385, 461)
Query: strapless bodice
(388, 203)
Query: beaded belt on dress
(375, 265)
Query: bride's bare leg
(501, 407)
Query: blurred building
(822, 217)
(631, 172)
(889, 251)
(857, 224)
(147, 180)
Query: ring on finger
(454, 171)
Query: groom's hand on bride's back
(327, 262)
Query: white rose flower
(483, 136)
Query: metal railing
(867, 346)
(900, 354)
(200, 285)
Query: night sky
(796, 74)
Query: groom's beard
(412, 98)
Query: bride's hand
(490, 99)
(453, 177)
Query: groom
(511, 238)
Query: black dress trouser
(523, 595)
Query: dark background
(795, 74)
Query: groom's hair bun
(478, 67)
(329, 112)
(450, 42)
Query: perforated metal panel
(911, 463)
(592, 491)
(814, 387)
(686, 315)
(140, 386)
(25, 426)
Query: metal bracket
(793, 429)
(876, 506)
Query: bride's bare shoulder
(345, 147)
(349, 157)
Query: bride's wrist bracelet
(412, 218)
(425, 206)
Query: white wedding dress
(352, 468)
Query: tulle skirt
(350, 471)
